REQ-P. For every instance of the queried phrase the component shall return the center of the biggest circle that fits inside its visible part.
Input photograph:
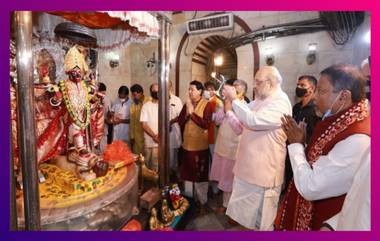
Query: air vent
(209, 24)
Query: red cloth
(295, 212)
(195, 165)
(212, 127)
(117, 152)
(132, 225)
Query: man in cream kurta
(260, 160)
(175, 131)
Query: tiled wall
(132, 68)
(290, 52)
(140, 73)
(290, 55)
(113, 78)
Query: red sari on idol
(299, 214)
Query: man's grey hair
(241, 83)
(273, 75)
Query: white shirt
(175, 109)
(260, 158)
(331, 175)
(149, 114)
(121, 110)
(356, 210)
(268, 118)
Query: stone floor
(211, 221)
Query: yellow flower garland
(69, 105)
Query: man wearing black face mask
(154, 94)
(303, 111)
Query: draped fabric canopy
(116, 29)
(143, 21)
(135, 21)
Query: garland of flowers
(69, 106)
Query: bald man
(260, 158)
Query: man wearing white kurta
(121, 115)
(356, 210)
(175, 131)
(149, 122)
(324, 170)
(260, 160)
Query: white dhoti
(252, 206)
(198, 191)
(173, 159)
(226, 198)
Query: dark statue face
(75, 74)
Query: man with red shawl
(325, 169)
